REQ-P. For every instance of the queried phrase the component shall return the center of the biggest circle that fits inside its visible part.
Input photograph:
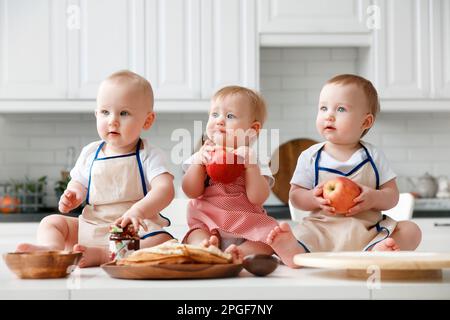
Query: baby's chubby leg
(406, 236)
(247, 248)
(202, 237)
(285, 244)
(55, 232)
(92, 256)
(236, 253)
(154, 240)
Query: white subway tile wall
(291, 78)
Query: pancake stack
(173, 252)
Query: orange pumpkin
(9, 204)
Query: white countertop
(284, 283)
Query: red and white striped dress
(226, 207)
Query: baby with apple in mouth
(123, 178)
(224, 213)
(347, 109)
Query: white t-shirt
(152, 158)
(304, 174)
(263, 169)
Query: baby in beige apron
(347, 108)
(115, 184)
(119, 187)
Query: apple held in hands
(224, 166)
(341, 192)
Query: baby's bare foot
(285, 245)
(92, 256)
(236, 253)
(212, 241)
(387, 244)
(29, 247)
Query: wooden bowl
(42, 265)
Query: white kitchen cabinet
(401, 50)
(435, 234)
(194, 47)
(411, 55)
(186, 48)
(109, 38)
(172, 48)
(52, 49)
(306, 16)
(33, 56)
(315, 23)
(229, 45)
(440, 48)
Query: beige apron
(115, 184)
(321, 231)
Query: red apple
(341, 192)
(224, 166)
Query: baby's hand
(203, 156)
(133, 216)
(69, 200)
(246, 154)
(322, 203)
(365, 201)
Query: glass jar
(122, 242)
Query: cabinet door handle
(436, 224)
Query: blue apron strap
(144, 185)
(316, 167)
(141, 171)
(154, 233)
(90, 169)
(377, 175)
(379, 229)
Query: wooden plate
(285, 159)
(173, 271)
(392, 265)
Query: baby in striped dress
(230, 215)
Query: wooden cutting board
(392, 265)
(286, 157)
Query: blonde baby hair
(367, 87)
(255, 100)
(138, 82)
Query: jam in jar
(122, 242)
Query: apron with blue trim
(115, 184)
(321, 231)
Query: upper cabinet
(440, 48)
(402, 49)
(305, 16)
(314, 23)
(55, 53)
(104, 36)
(172, 48)
(194, 47)
(52, 49)
(411, 50)
(230, 48)
(33, 56)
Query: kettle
(426, 186)
(444, 188)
